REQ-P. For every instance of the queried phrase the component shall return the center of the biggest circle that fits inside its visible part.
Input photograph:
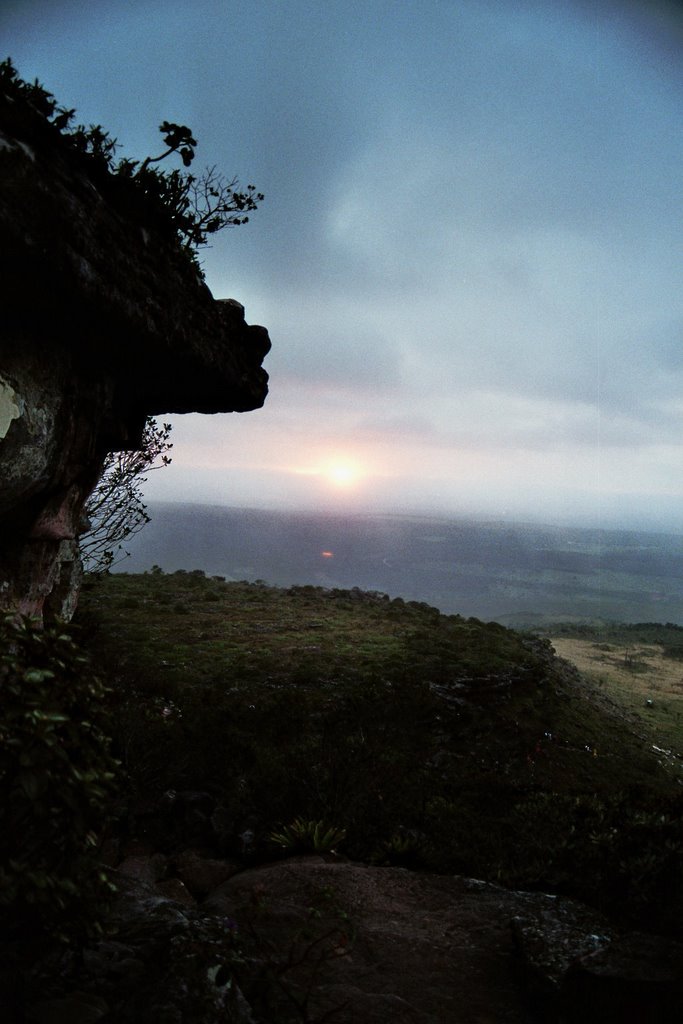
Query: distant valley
(513, 573)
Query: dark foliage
(57, 778)
(194, 207)
(668, 634)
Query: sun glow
(342, 474)
(337, 472)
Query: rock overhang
(106, 320)
(84, 256)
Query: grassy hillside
(641, 668)
(431, 740)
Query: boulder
(635, 978)
(161, 961)
(144, 869)
(355, 943)
(388, 946)
(76, 1008)
(380, 945)
(201, 874)
(550, 939)
(174, 889)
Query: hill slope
(431, 740)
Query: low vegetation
(55, 767)
(408, 736)
(331, 722)
(639, 666)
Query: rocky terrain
(339, 807)
(316, 939)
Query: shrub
(308, 836)
(57, 781)
(402, 849)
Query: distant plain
(519, 574)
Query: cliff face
(105, 320)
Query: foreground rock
(635, 978)
(310, 940)
(162, 962)
(388, 945)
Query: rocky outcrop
(315, 939)
(105, 320)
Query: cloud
(335, 348)
(468, 257)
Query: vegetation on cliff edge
(192, 207)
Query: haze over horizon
(469, 254)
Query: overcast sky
(469, 256)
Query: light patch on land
(9, 410)
(640, 679)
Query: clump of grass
(303, 836)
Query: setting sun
(338, 472)
(342, 474)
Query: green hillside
(439, 742)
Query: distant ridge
(497, 570)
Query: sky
(469, 253)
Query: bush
(308, 837)
(57, 781)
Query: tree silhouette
(115, 509)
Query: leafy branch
(178, 138)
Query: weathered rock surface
(364, 945)
(201, 875)
(635, 978)
(160, 963)
(105, 321)
(144, 869)
(427, 949)
(550, 939)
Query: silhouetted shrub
(57, 782)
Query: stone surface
(361, 945)
(161, 963)
(144, 869)
(633, 979)
(550, 939)
(77, 1008)
(174, 889)
(105, 321)
(202, 874)
(427, 949)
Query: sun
(342, 474)
(339, 472)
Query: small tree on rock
(115, 510)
